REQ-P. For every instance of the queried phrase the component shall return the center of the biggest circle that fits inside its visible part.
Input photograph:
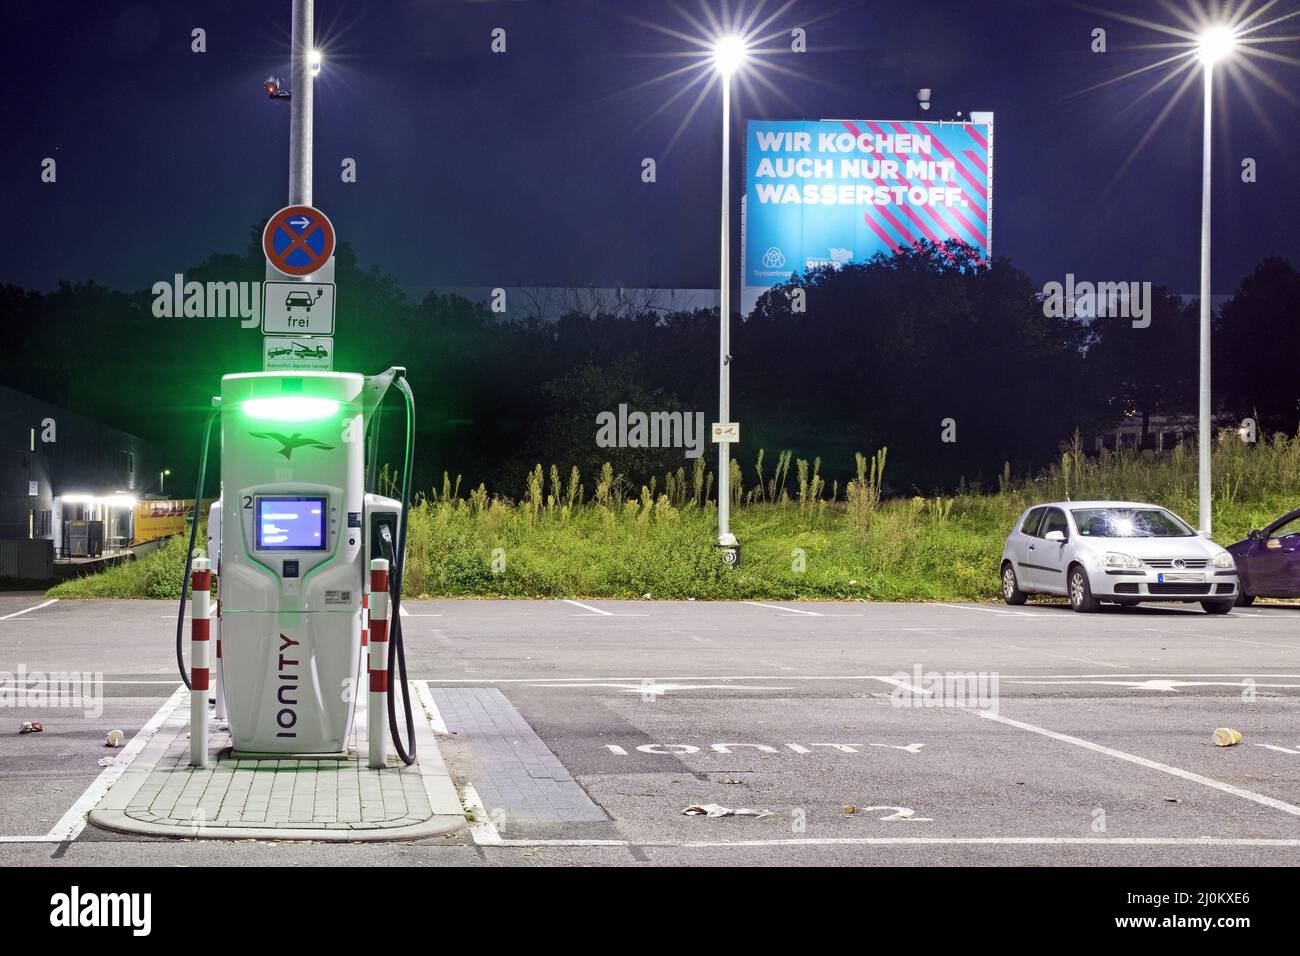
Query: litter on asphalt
(717, 810)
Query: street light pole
(724, 324)
(728, 55)
(1214, 44)
(1206, 429)
(300, 105)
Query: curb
(118, 822)
(448, 814)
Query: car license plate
(1181, 578)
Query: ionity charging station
(298, 534)
(308, 566)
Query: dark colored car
(1268, 561)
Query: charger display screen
(291, 524)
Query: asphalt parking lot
(580, 731)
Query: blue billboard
(827, 192)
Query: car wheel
(1011, 592)
(1218, 607)
(1244, 599)
(1080, 590)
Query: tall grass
(628, 540)
(1241, 472)
(862, 495)
(658, 540)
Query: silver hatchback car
(1124, 552)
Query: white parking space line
(813, 677)
(71, 824)
(481, 827)
(588, 607)
(920, 691)
(28, 610)
(990, 841)
(1063, 657)
(63, 679)
(430, 708)
(405, 613)
(1219, 785)
(896, 841)
(988, 610)
(777, 607)
(1242, 640)
(485, 834)
(1165, 686)
(74, 821)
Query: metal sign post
(298, 241)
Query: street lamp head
(1215, 43)
(729, 54)
(314, 61)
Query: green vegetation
(155, 575)
(800, 538)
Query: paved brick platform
(159, 794)
(512, 768)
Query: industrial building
(67, 480)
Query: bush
(815, 544)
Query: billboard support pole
(724, 325)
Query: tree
(1145, 371)
(1258, 352)
(888, 350)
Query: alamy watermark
(208, 300)
(37, 690)
(965, 689)
(1098, 300)
(76, 908)
(624, 429)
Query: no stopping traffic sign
(298, 240)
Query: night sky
(478, 169)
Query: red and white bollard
(218, 678)
(365, 619)
(201, 609)
(361, 717)
(214, 562)
(378, 704)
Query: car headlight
(1115, 559)
(1224, 560)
